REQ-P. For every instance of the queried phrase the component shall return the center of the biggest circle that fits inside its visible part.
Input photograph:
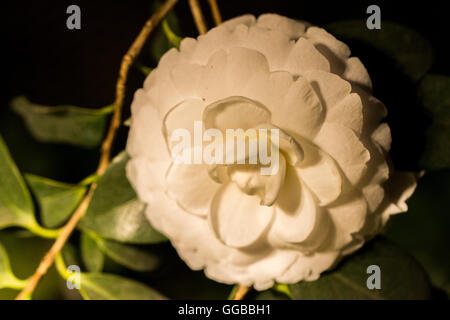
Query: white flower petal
(235, 113)
(399, 189)
(163, 96)
(211, 87)
(182, 116)
(186, 78)
(303, 57)
(308, 267)
(247, 19)
(146, 176)
(243, 65)
(321, 174)
(373, 110)
(301, 112)
(356, 73)
(215, 40)
(348, 112)
(273, 44)
(244, 223)
(145, 129)
(348, 216)
(331, 88)
(297, 214)
(192, 187)
(382, 136)
(345, 147)
(334, 50)
(270, 90)
(189, 233)
(293, 28)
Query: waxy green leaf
(115, 211)
(401, 277)
(57, 200)
(63, 124)
(102, 286)
(16, 206)
(434, 93)
(7, 277)
(411, 52)
(92, 255)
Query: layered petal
(293, 28)
(245, 223)
(301, 111)
(191, 187)
(304, 56)
(343, 145)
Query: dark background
(52, 65)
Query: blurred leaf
(129, 256)
(271, 295)
(434, 93)
(115, 212)
(173, 39)
(63, 124)
(7, 277)
(91, 253)
(16, 207)
(102, 286)
(25, 253)
(401, 277)
(423, 230)
(57, 200)
(283, 289)
(412, 53)
(70, 254)
(145, 71)
(164, 38)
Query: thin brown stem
(105, 155)
(198, 16)
(215, 12)
(242, 291)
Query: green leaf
(434, 93)
(173, 39)
(271, 295)
(7, 277)
(70, 254)
(401, 277)
(428, 220)
(16, 206)
(115, 212)
(63, 124)
(128, 256)
(283, 289)
(164, 37)
(91, 253)
(102, 286)
(25, 252)
(145, 71)
(56, 200)
(412, 53)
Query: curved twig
(198, 16)
(215, 12)
(105, 155)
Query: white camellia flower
(334, 188)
